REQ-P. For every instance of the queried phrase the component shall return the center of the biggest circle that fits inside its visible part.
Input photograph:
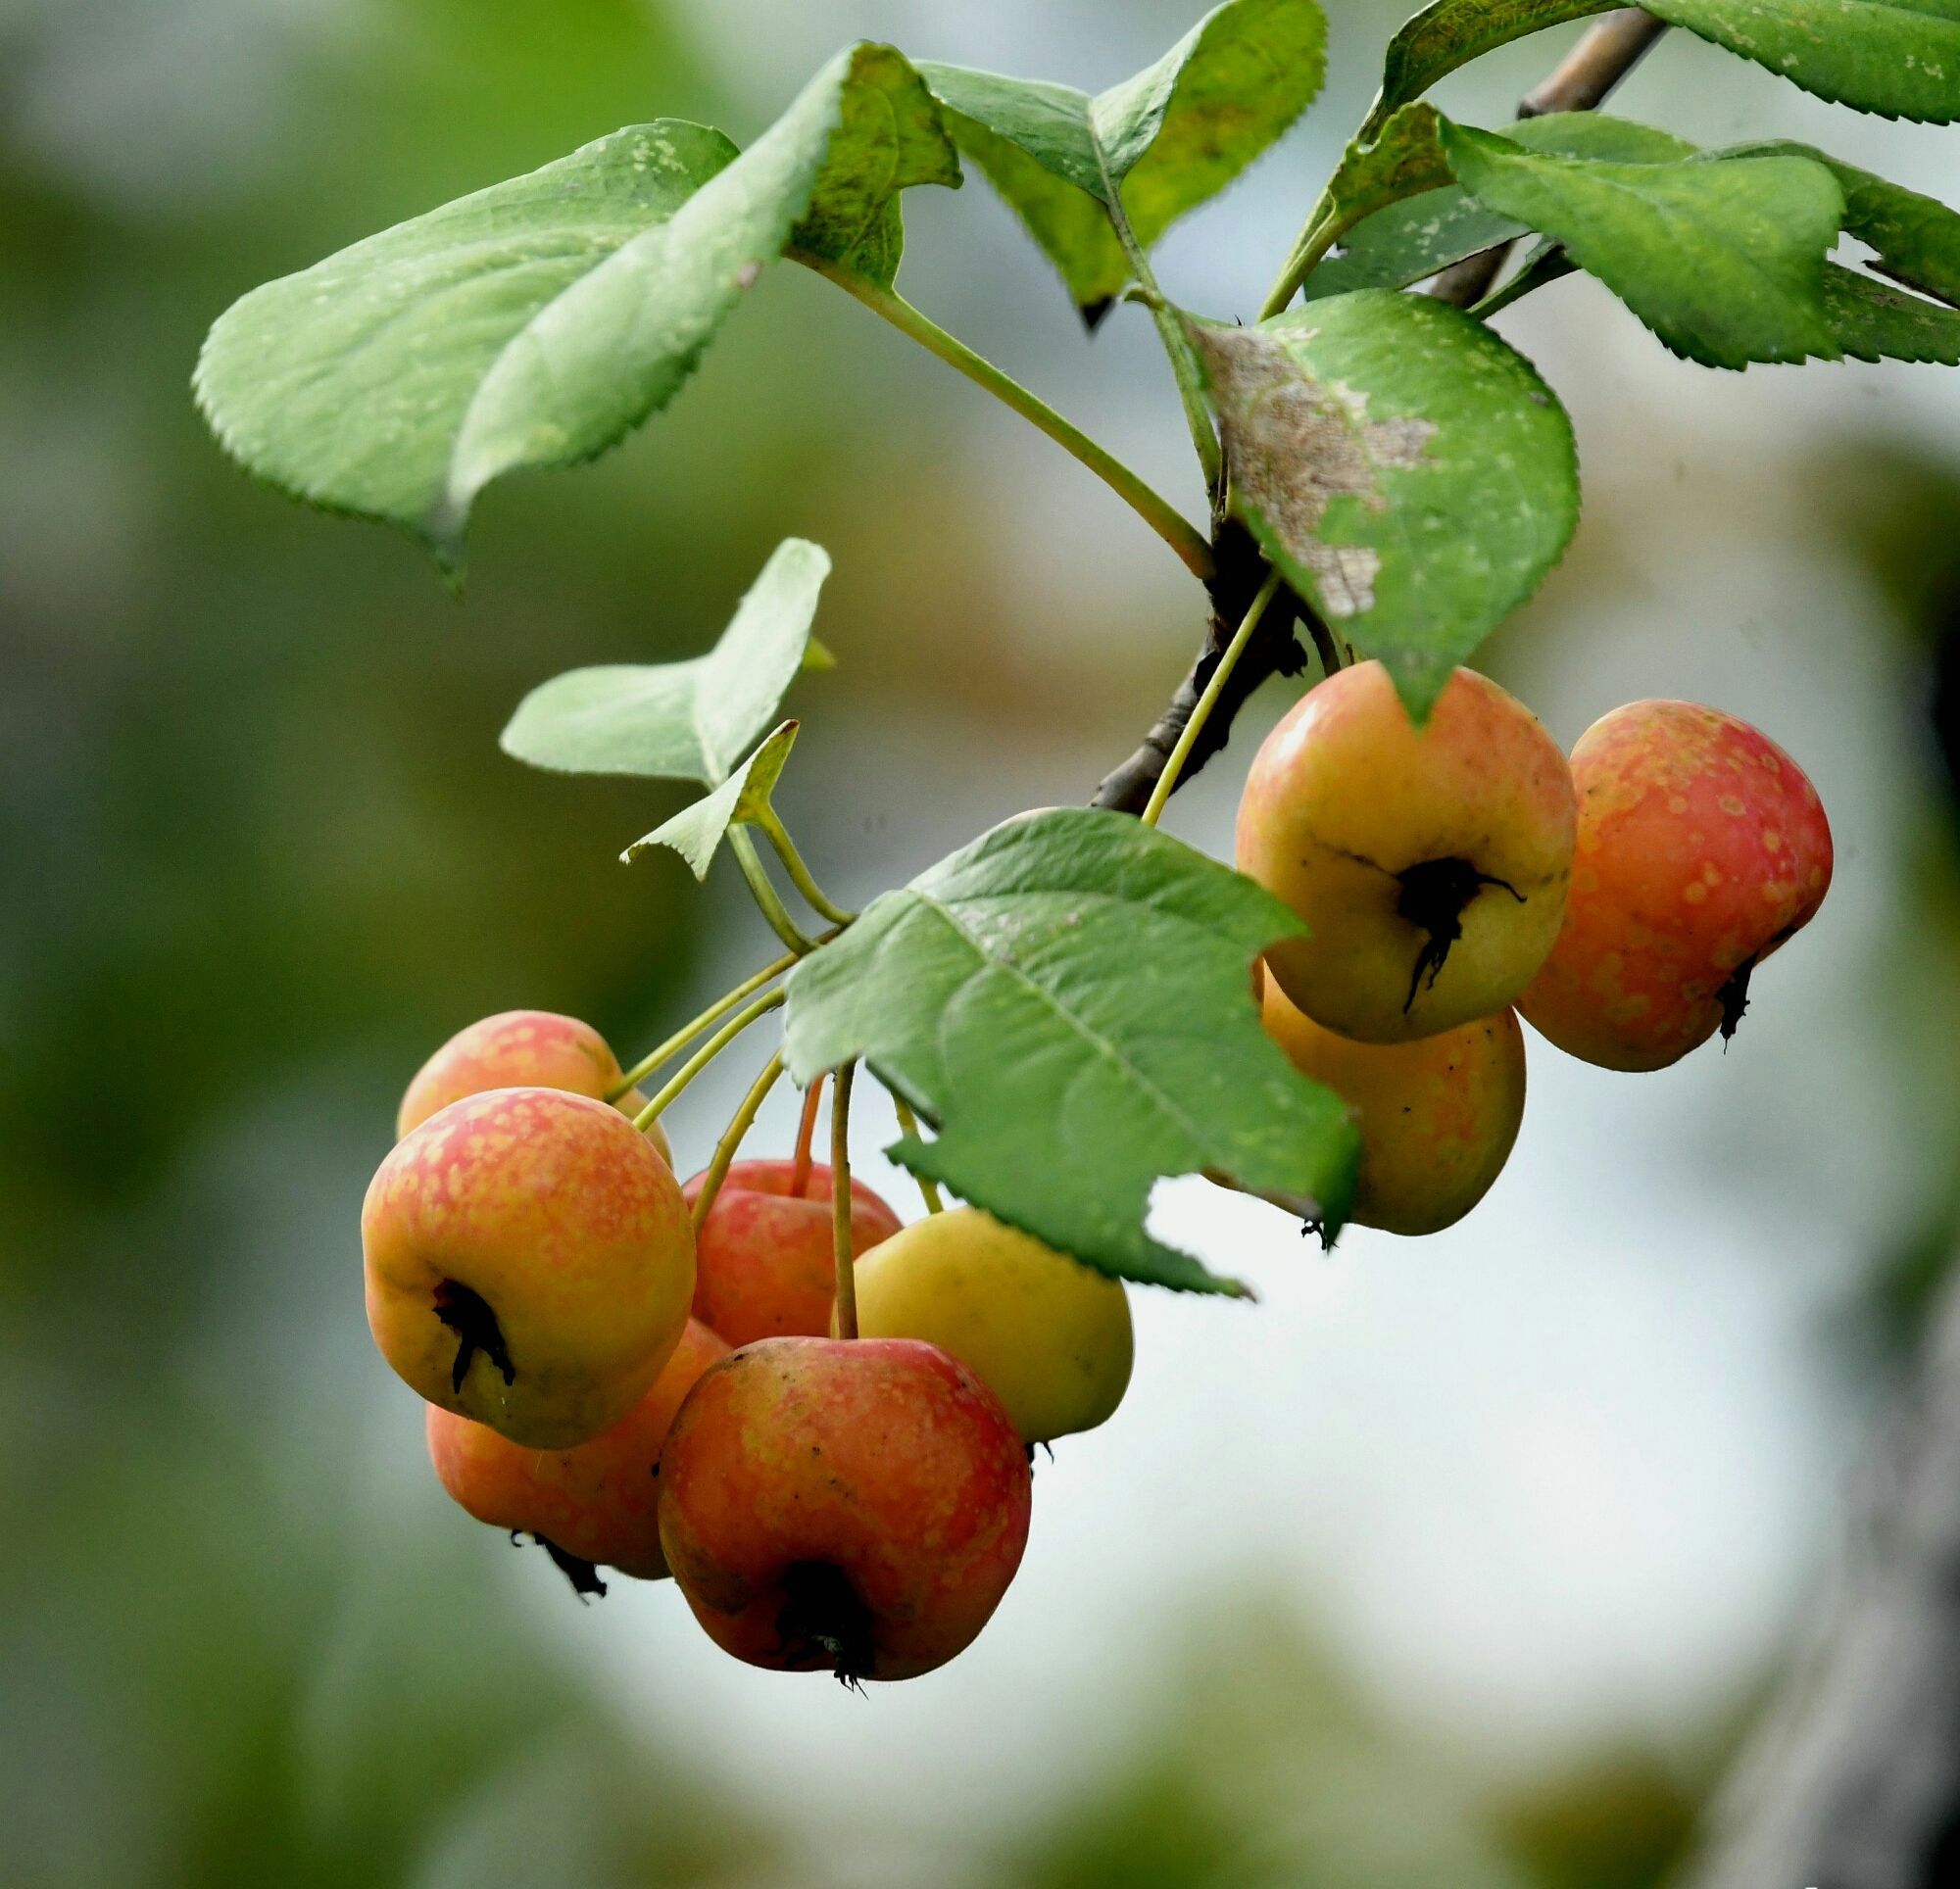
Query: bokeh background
(1463, 1561)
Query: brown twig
(1606, 55)
(1609, 49)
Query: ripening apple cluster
(646, 1385)
(1456, 877)
(644, 1395)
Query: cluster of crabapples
(647, 1376)
(648, 1381)
(1456, 877)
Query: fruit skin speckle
(562, 1218)
(519, 1050)
(883, 1466)
(1702, 848)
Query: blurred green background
(1462, 1562)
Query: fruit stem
(739, 1124)
(687, 1033)
(765, 896)
(934, 1202)
(800, 876)
(1216, 687)
(704, 1055)
(1155, 510)
(840, 1203)
(806, 1134)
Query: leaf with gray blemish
(1067, 1000)
(1897, 58)
(1407, 470)
(1168, 139)
(697, 831)
(538, 323)
(682, 721)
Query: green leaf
(346, 384)
(1898, 58)
(1407, 470)
(686, 721)
(1916, 239)
(695, 831)
(1873, 322)
(1724, 262)
(1068, 1000)
(1403, 160)
(538, 323)
(1414, 238)
(1168, 139)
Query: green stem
(1155, 510)
(1213, 688)
(1170, 331)
(908, 1122)
(840, 1205)
(1549, 267)
(739, 1124)
(765, 895)
(687, 1033)
(704, 1055)
(1321, 231)
(800, 874)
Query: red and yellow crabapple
(598, 1501)
(529, 1263)
(1702, 848)
(764, 1263)
(1429, 865)
(520, 1049)
(1049, 1335)
(856, 1506)
(1438, 1118)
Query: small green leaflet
(1897, 58)
(682, 721)
(1068, 1000)
(1406, 469)
(1168, 139)
(1724, 262)
(1418, 237)
(697, 831)
(538, 323)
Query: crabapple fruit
(858, 1506)
(1049, 1335)
(529, 1263)
(598, 1501)
(520, 1049)
(1438, 1118)
(764, 1261)
(1703, 847)
(1430, 864)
